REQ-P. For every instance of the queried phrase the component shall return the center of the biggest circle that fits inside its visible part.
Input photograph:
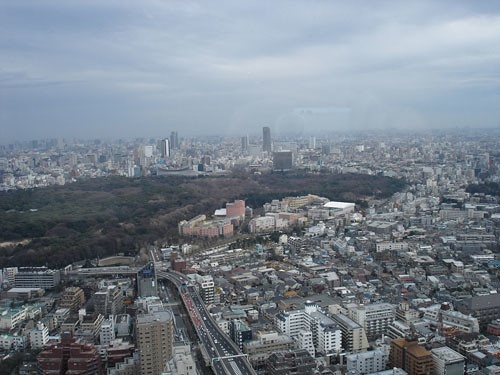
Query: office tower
(411, 357)
(155, 334)
(266, 139)
(165, 148)
(282, 160)
(174, 140)
(146, 281)
(244, 143)
(70, 357)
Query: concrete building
(485, 308)
(206, 288)
(374, 318)
(264, 345)
(107, 333)
(182, 362)
(37, 277)
(327, 336)
(292, 362)
(72, 298)
(447, 361)
(70, 356)
(266, 139)
(411, 357)
(239, 332)
(155, 334)
(38, 336)
(146, 281)
(353, 335)
(367, 362)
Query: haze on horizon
(93, 68)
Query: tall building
(367, 362)
(411, 357)
(146, 281)
(165, 148)
(374, 318)
(155, 335)
(206, 288)
(353, 335)
(244, 143)
(282, 160)
(174, 140)
(70, 357)
(266, 139)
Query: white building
(107, 333)
(374, 318)
(367, 362)
(305, 341)
(327, 337)
(38, 336)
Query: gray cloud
(92, 68)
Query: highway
(217, 348)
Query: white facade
(107, 331)
(327, 336)
(367, 362)
(39, 336)
(305, 341)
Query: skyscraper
(266, 139)
(165, 148)
(155, 334)
(174, 140)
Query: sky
(143, 68)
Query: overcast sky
(142, 68)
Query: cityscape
(224, 187)
(406, 284)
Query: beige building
(155, 334)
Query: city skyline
(130, 70)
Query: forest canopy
(59, 225)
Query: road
(223, 354)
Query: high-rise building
(353, 335)
(206, 288)
(155, 334)
(174, 140)
(244, 143)
(374, 318)
(411, 357)
(282, 160)
(266, 139)
(165, 148)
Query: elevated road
(219, 351)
